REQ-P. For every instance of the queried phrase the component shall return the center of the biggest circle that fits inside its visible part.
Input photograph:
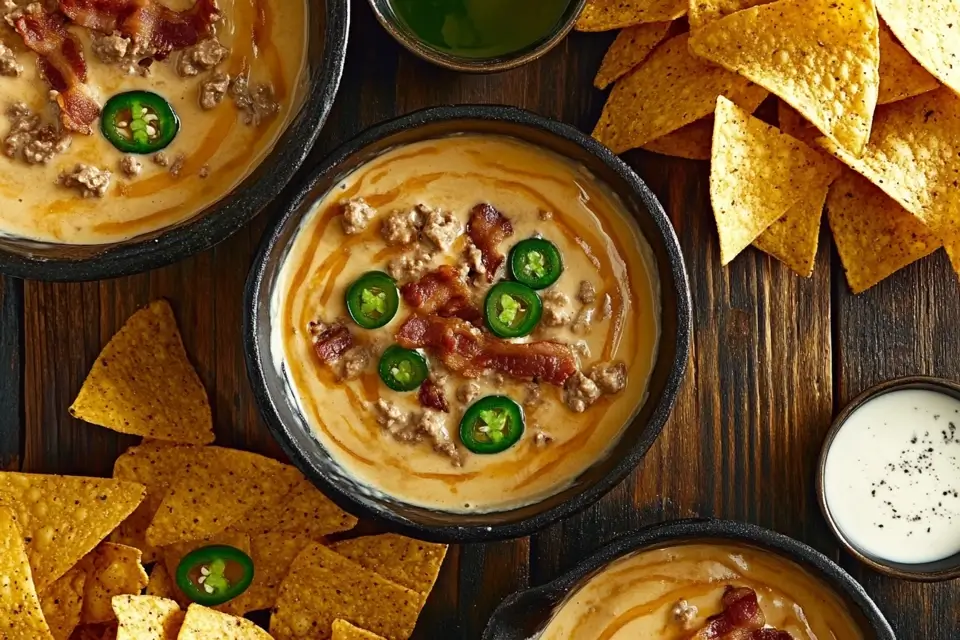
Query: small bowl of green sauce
(478, 35)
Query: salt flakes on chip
(630, 48)
(671, 89)
(793, 238)
(901, 76)
(343, 630)
(875, 236)
(605, 15)
(273, 555)
(202, 623)
(703, 11)
(19, 606)
(62, 602)
(160, 584)
(323, 585)
(930, 31)
(757, 173)
(821, 56)
(147, 618)
(64, 517)
(304, 511)
(143, 384)
(112, 570)
(410, 563)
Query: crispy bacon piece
(466, 350)
(431, 396)
(61, 63)
(487, 228)
(332, 343)
(741, 619)
(152, 27)
(442, 292)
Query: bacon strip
(332, 343)
(441, 292)
(61, 63)
(431, 396)
(741, 619)
(487, 228)
(152, 27)
(466, 350)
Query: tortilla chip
(142, 383)
(323, 586)
(953, 252)
(147, 618)
(304, 511)
(928, 30)
(20, 610)
(703, 11)
(811, 53)
(273, 554)
(668, 91)
(631, 47)
(173, 554)
(605, 15)
(793, 238)
(64, 517)
(410, 563)
(217, 490)
(875, 236)
(112, 570)
(914, 156)
(202, 623)
(757, 173)
(343, 630)
(901, 76)
(62, 602)
(161, 584)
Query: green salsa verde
(481, 28)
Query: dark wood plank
(11, 338)
(906, 325)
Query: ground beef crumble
(555, 308)
(403, 227)
(256, 102)
(203, 56)
(29, 138)
(213, 90)
(440, 227)
(541, 438)
(472, 262)
(610, 378)
(90, 181)
(684, 613)
(116, 49)
(8, 62)
(579, 392)
(177, 167)
(587, 294)
(413, 427)
(161, 159)
(411, 265)
(583, 321)
(534, 395)
(355, 362)
(468, 392)
(130, 166)
(357, 214)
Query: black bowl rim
(679, 531)
(235, 209)
(475, 533)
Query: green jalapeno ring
(373, 300)
(214, 574)
(511, 309)
(140, 122)
(491, 425)
(402, 369)
(536, 263)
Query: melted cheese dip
(268, 37)
(598, 244)
(640, 596)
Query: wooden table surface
(774, 356)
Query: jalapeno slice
(215, 574)
(139, 122)
(511, 309)
(402, 369)
(373, 300)
(491, 425)
(536, 263)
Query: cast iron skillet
(294, 435)
(525, 613)
(327, 48)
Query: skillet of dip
(121, 117)
(467, 323)
(703, 591)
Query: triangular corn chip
(304, 511)
(413, 564)
(112, 570)
(670, 90)
(218, 489)
(703, 11)
(147, 618)
(821, 56)
(901, 76)
(160, 583)
(343, 630)
(630, 48)
(201, 623)
(875, 236)
(65, 517)
(605, 15)
(20, 612)
(142, 383)
(273, 555)
(793, 238)
(62, 602)
(928, 29)
(757, 173)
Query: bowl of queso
(135, 133)
(696, 580)
(472, 322)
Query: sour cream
(892, 477)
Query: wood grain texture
(11, 419)
(774, 356)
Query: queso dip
(520, 390)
